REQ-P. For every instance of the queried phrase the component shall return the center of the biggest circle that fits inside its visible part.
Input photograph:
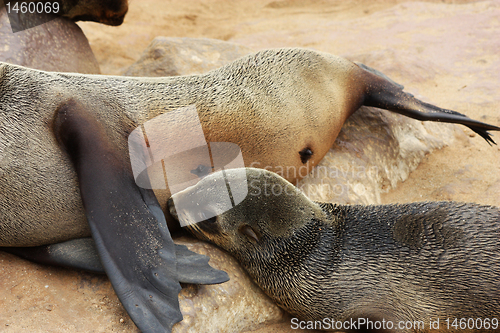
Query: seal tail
(384, 93)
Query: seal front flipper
(384, 93)
(191, 267)
(194, 268)
(135, 248)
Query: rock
(169, 56)
(58, 45)
(234, 306)
(374, 151)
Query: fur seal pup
(282, 107)
(398, 262)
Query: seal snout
(187, 210)
(181, 215)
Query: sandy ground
(460, 72)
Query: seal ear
(250, 233)
(127, 224)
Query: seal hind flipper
(379, 73)
(384, 93)
(135, 246)
(77, 253)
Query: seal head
(270, 198)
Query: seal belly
(40, 201)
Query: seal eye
(249, 232)
(305, 154)
(201, 170)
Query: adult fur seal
(282, 107)
(401, 263)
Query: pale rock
(171, 56)
(233, 306)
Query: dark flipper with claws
(384, 93)
(127, 225)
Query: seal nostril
(305, 154)
(249, 232)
